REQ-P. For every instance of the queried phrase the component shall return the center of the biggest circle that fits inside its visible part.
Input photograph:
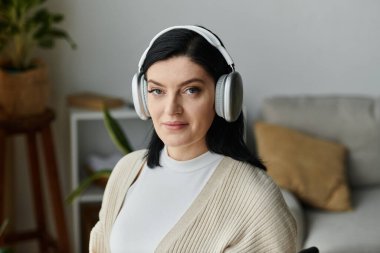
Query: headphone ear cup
(219, 96)
(139, 96)
(229, 96)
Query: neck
(185, 153)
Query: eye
(192, 90)
(155, 91)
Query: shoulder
(125, 165)
(255, 190)
(252, 184)
(133, 156)
(123, 170)
(249, 177)
(260, 208)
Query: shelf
(88, 136)
(122, 113)
(92, 194)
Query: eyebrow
(192, 80)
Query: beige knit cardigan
(240, 209)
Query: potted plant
(120, 140)
(24, 26)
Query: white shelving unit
(89, 136)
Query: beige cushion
(351, 120)
(313, 169)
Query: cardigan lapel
(126, 182)
(197, 206)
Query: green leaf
(58, 33)
(25, 24)
(6, 250)
(115, 132)
(3, 226)
(105, 173)
(57, 18)
(29, 4)
(42, 15)
(46, 43)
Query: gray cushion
(349, 232)
(351, 121)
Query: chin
(175, 144)
(174, 140)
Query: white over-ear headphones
(229, 87)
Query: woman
(197, 188)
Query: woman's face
(181, 103)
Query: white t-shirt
(158, 199)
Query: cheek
(209, 105)
(154, 111)
(209, 112)
(204, 112)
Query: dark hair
(225, 138)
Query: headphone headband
(228, 87)
(211, 38)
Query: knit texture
(240, 209)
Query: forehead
(178, 68)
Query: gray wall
(279, 47)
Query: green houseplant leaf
(105, 173)
(6, 250)
(119, 139)
(3, 226)
(24, 26)
(2, 229)
(116, 133)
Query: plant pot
(24, 93)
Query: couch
(342, 122)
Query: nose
(174, 105)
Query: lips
(175, 125)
